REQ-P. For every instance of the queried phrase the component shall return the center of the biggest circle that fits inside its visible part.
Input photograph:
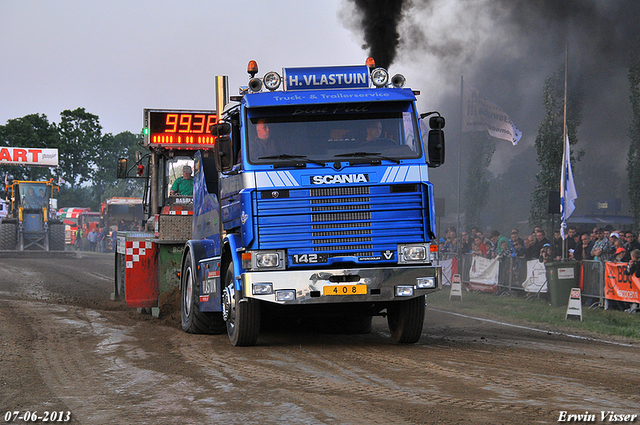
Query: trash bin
(561, 277)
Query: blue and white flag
(481, 114)
(568, 193)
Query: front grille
(340, 240)
(346, 248)
(339, 200)
(338, 226)
(340, 233)
(341, 216)
(341, 222)
(339, 191)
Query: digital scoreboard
(178, 128)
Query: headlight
(425, 282)
(262, 288)
(286, 295)
(404, 291)
(379, 77)
(415, 253)
(267, 260)
(271, 80)
(263, 260)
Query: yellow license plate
(345, 290)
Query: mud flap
(141, 274)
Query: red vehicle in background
(121, 214)
(88, 221)
(70, 217)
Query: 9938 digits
(46, 416)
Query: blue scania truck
(314, 203)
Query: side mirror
(221, 129)
(435, 148)
(435, 139)
(223, 151)
(223, 147)
(121, 168)
(436, 123)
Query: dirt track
(64, 346)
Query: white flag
(568, 193)
(479, 114)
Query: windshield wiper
(376, 155)
(287, 156)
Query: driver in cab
(374, 130)
(32, 200)
(262, 144)
(183, 186)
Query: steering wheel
(381, 142)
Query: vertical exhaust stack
(222, 94)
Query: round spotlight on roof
(379, 77)
(272, 80)
(398, 81)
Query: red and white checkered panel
(135, 250)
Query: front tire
(7, 236)
(242, 315)
(405, 319)
(56, 237)
(193, 320)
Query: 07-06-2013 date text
(46, 416)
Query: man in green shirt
(183, 186)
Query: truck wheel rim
(188, 291)
(228, 306)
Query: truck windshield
(331, 132)
(34, 195)
(179, 168)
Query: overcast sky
(115, 58)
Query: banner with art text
(37, 157)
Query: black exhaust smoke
(380, 19)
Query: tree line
(87, 157)
(549, 147)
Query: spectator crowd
(599, 244)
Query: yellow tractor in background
(31, 222)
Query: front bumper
(309, 285)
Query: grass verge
(539, 312)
